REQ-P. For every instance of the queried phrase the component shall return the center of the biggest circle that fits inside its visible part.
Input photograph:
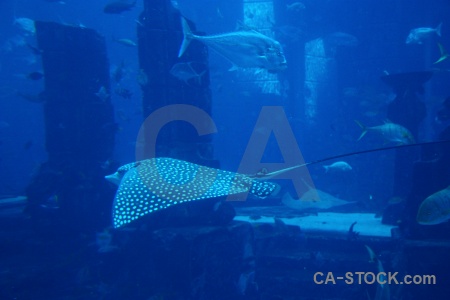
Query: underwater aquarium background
(339, 54)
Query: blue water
(336, 52)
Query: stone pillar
(79, 129)
(259, 15)
(159, 39)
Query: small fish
(419, 35)
(26, 24)
(102, 94)
(435, 209)
(139, 23)
(444, 54)
(35, 76)
(154, 184)
(245, 49)
(338, 166)
(123, 92)
(383, 290)
(372, 256)
(186, 72)
(175, 4)
(118, 7)
(295, 7)
(389, 131)
(126, 42)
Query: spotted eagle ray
(154, 184)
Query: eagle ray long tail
(265, 176)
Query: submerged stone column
(68, 190)
(409, 111)
(160, 38)
(259, 15)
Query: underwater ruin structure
(159, 38)
(68, 190)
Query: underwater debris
(352, 234)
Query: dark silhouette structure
(69, 189)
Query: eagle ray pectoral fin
(155, 184)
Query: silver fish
(435, 209)
(245, 49)
(295, 7)
(418, 35)
(338, 166)
(444, 54)
(127, 42)
(154, 184)
(187, 72)
(389, 131)
(383, 291)
(26, 24)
